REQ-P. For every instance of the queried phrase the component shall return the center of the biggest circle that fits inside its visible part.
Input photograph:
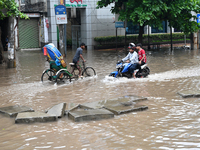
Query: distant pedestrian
(6, 44)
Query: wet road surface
(171, 122)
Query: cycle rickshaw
(58, 68)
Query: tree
(9, 8)
(153, 12)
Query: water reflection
(171, 122)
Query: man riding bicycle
(77, 56)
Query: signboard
(198, 18)
(76, 1)
(33, 14)
(119, 24)
(74, 5)
(61, 14)
(61, 2)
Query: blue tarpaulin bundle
(51, 51)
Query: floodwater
(171, 122)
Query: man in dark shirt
(77, 56)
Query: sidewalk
(153, 47)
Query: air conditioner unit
(34, 1)
(37, 1)
(42, 1)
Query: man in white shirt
(132, 58)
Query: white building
(88, 23)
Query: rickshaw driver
(77, 56)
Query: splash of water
(164, 76)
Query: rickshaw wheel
(48, 75)
(63, 76)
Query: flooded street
(170, 122)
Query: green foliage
(9, 8)
(108, 40)
(111, 39)
(153, 12)
(69, 42)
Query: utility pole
(148, 39)
(65, 37)
(18, 23)
(171, 37)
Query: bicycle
(85, 71)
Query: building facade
(31, 32)
(84, 22)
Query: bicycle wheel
(48, 75)
(89, 72)
(63, 76)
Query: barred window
(22, 1)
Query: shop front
(29, 31)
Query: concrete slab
(57, 110)
(12, 111)
(70, 106)
(31, 117)
(123, 100)
(134, 98)
(189, 93)
(80, 114)
(119, 108)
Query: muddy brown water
(171, 122)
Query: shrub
(69, 42)
(163, 37)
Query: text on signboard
(76, 1)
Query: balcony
(33, 6)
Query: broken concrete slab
(70, 106)
(134, 98)
(31, 117)
(123, 100)
(12, 111)
(84, 114)
(119, 108)
(57, 110)
(189, 93)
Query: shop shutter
(28, 33)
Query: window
(132, 29)
(177, 30)
(156, 30)
(22, 1)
